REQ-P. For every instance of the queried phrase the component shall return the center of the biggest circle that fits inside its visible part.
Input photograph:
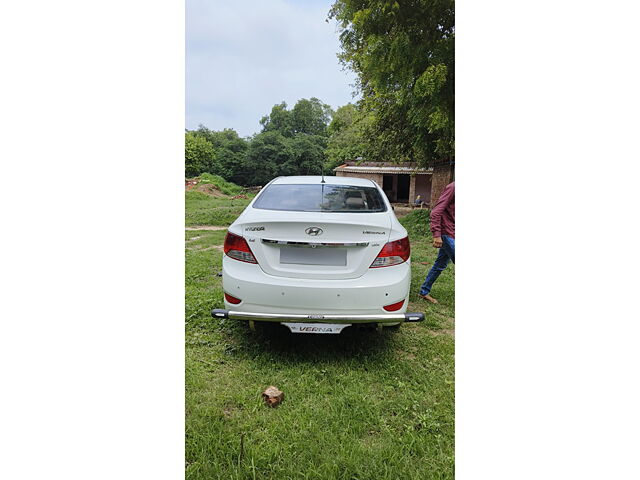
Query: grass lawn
(203, 209)
(359, 405)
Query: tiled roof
(383, 169)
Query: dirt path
(206, 227)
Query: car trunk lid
(320, 245)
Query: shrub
(225, 187)
(417, 222)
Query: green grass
(417, 222)
(359, 405)
(203, 209)
(228, 188)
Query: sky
(244, 57)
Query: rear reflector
(237, 248)
(394, 306)
(234, 300)
(393, 253)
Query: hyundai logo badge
(315, 231)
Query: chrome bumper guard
(317, 318)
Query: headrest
(354, 202)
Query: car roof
(329, 180)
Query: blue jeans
(447, 252)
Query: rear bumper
(263, 293)
(318, 318)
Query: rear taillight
(393, 253)
(237, 248)
(394, 306)
(232, 299)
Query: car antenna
(322, 174)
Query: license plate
(316, 327)
(334, 257)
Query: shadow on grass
(275, 340)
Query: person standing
(443, 229)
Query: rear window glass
(320, 198)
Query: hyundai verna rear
(317, 255)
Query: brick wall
(442, 176)
(423, 187)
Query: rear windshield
(320, 198)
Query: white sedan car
(317, 254)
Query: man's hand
(437, 242)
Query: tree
(306, 155)
(199, 154)
(310, 116)
(292, 142)
(279, 120)
(403, 54)
(271, 154)
(266, 155)
(307, 116)
(347, 139)
(230, 151)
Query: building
(402, 182)
(443, 174)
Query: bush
(225, 187)
(417, 222)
